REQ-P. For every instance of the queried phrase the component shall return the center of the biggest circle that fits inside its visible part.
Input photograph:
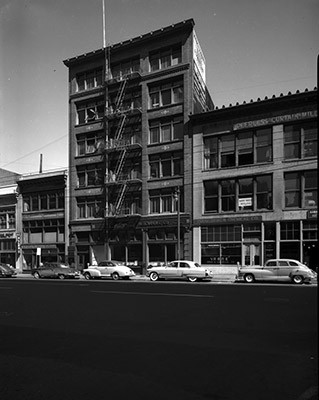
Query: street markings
(153, 294)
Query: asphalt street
(126, 340)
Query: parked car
(108, 269)
(180, 269)
(284, 270)
(6, 271)
(55, 270)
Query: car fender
(93, 272)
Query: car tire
(36, 275)
(87, 276)
(297, 279)
(249, 278)
(61, 276)
(154, 276)
(191, 279)
(115, 276)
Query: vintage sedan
(55, 270)
(283, 270)
(6, 271)
(180, 269)
(108, 269)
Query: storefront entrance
(252, 254)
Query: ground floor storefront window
(255, 243)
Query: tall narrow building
(130, 154)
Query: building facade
(42, 223)
(130, 155)
(8, 216)
(255, 185)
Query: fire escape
(124, 151)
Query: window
(244, 148)
(245, 151)
(124, 68)
(90, 175)
(7, 218)
(89, 112)
(43, 201)
(301, 140)
(221, 244)
(89, 208)
(166, 130)
(164, 201)
(229, 195)
(264, 192)
(89, 143)
(245, 194)
(131, 100)
(289, 231)
(211, 196)
(166, 94)
(89, 80)
(301, 189)
(166, 165)
(310, 189)
(227, 151)
(165, 58)
(210, 152)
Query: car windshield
(197, 265)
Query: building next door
(252, 254)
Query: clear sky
(253, 48)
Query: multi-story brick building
(8, 216)
(130, 155)
(255, 191)
(42, 222)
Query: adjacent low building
(255, 185)
(9, 240)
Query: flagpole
(104, 35)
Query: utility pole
(177, 199)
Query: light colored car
(6, 271)
(55, 270)
(108, 269)
(180, 269)
(284, 270)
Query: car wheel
(297, 279)
(87, 276)
(115, 276)
(61, 276)
(154, 276)
(249, 278)
(192, 279)
(36, 275)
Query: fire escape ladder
(120, 162)
(120, 198)
(120, 94)
(120, 127)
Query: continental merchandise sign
(275, 120)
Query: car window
(184, 265)
(271, 264)
(282, 263)
(197, 265)
(294, 264)
(173, 264)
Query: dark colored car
(6, 271)
(55, 270)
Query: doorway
(252, 254)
